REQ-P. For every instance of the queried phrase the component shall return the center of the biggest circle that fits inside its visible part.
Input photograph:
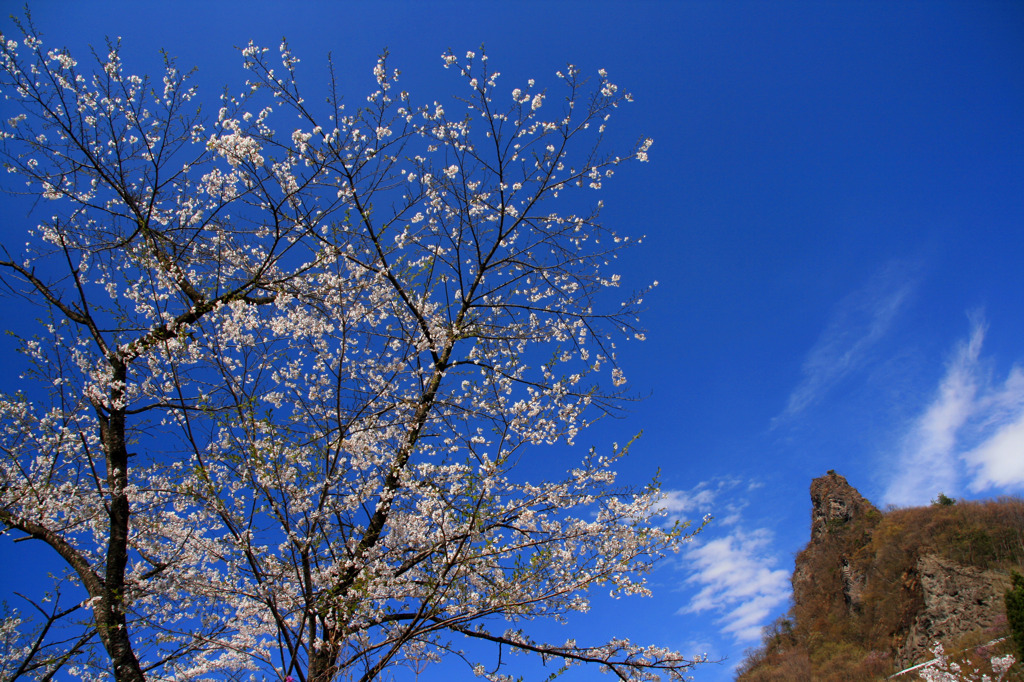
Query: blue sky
(834, 210)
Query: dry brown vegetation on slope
(873, 590)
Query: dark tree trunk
(111, 616)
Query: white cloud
(927, 460)
(688, 505)
(998, 461)
(857, 324)
(972, 433)
(680, 504)
(738, 579)
(735, 576)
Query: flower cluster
(941, 669)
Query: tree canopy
(292, 365)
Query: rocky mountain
(873, 591)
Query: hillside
(873, 590)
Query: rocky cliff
(873, 591)
(955, 601)
(836, 508)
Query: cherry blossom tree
(293, 363)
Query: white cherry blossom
(280, 418)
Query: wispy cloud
(859, 321)
(927, 460)
(970, 435)
(737, 578)
(702, 499)
(999, 460)
(733, 571)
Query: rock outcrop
(957, 599)
(835, 503)
(836, 509)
